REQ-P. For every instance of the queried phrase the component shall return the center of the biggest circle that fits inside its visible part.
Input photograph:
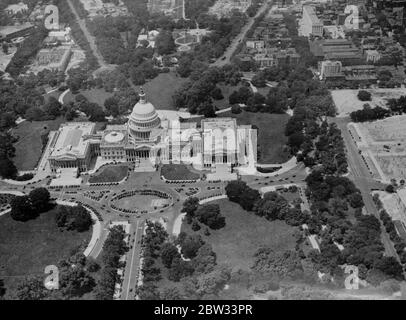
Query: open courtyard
(346, 101)
(383, 147)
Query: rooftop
(71, 142)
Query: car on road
(224, 58)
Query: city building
(71, 147)
(330, 69)
(273, 57)
(310, 24)
(148, 140)
(223, 8)
(372, 56)
(337, 49)
(172, 8)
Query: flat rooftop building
(71, 147)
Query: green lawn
(243, 234)
(28, 247)
(178, 172)
(161, 89)
(271, 134)
(110, 173)
(29, 145)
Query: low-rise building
(330, 69)
(310, 24)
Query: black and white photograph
(202, 158)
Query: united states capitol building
(149, 139)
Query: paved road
(362, 179)
(237, 40)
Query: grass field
(243, 234)
(178, 172)
(28, 247)
(271, 134)
(111, 173)
(29, 145)
(160, 90)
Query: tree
(148, 291)
(75, 281)
(5, 47)
(364, 95)
(180, 269)
(205, 259)
(7, 169)
(2, 289)
(189, 207)
(168, 253)
(210, 216)
(165, 43)
(31, 288)
(40, 199)
(171, 293)
(190, 245)
(356, 200)
(390, 188)
(21, 209)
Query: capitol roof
(143, 110)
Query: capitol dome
(143, 119)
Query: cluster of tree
(369, 114)
(363, 248)
(114, 247)
(397, 106)
(331, 197)
(121, 102)
(93, 111)
(330, 150)
(364, 95)
(7, 151)
(153, 240)
(238, 191)
(73, 218)
(196, 8)
(24, 208)
(197, 94)
(208, 215)
(272, 206)
(108, 30)
(75, 276)
(286, 265)
(318, 144)
(75, 280)
(214, 44)
(49, 111)
(322, 187)
(26, 51)
(390, 228)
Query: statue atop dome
(142, 96)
